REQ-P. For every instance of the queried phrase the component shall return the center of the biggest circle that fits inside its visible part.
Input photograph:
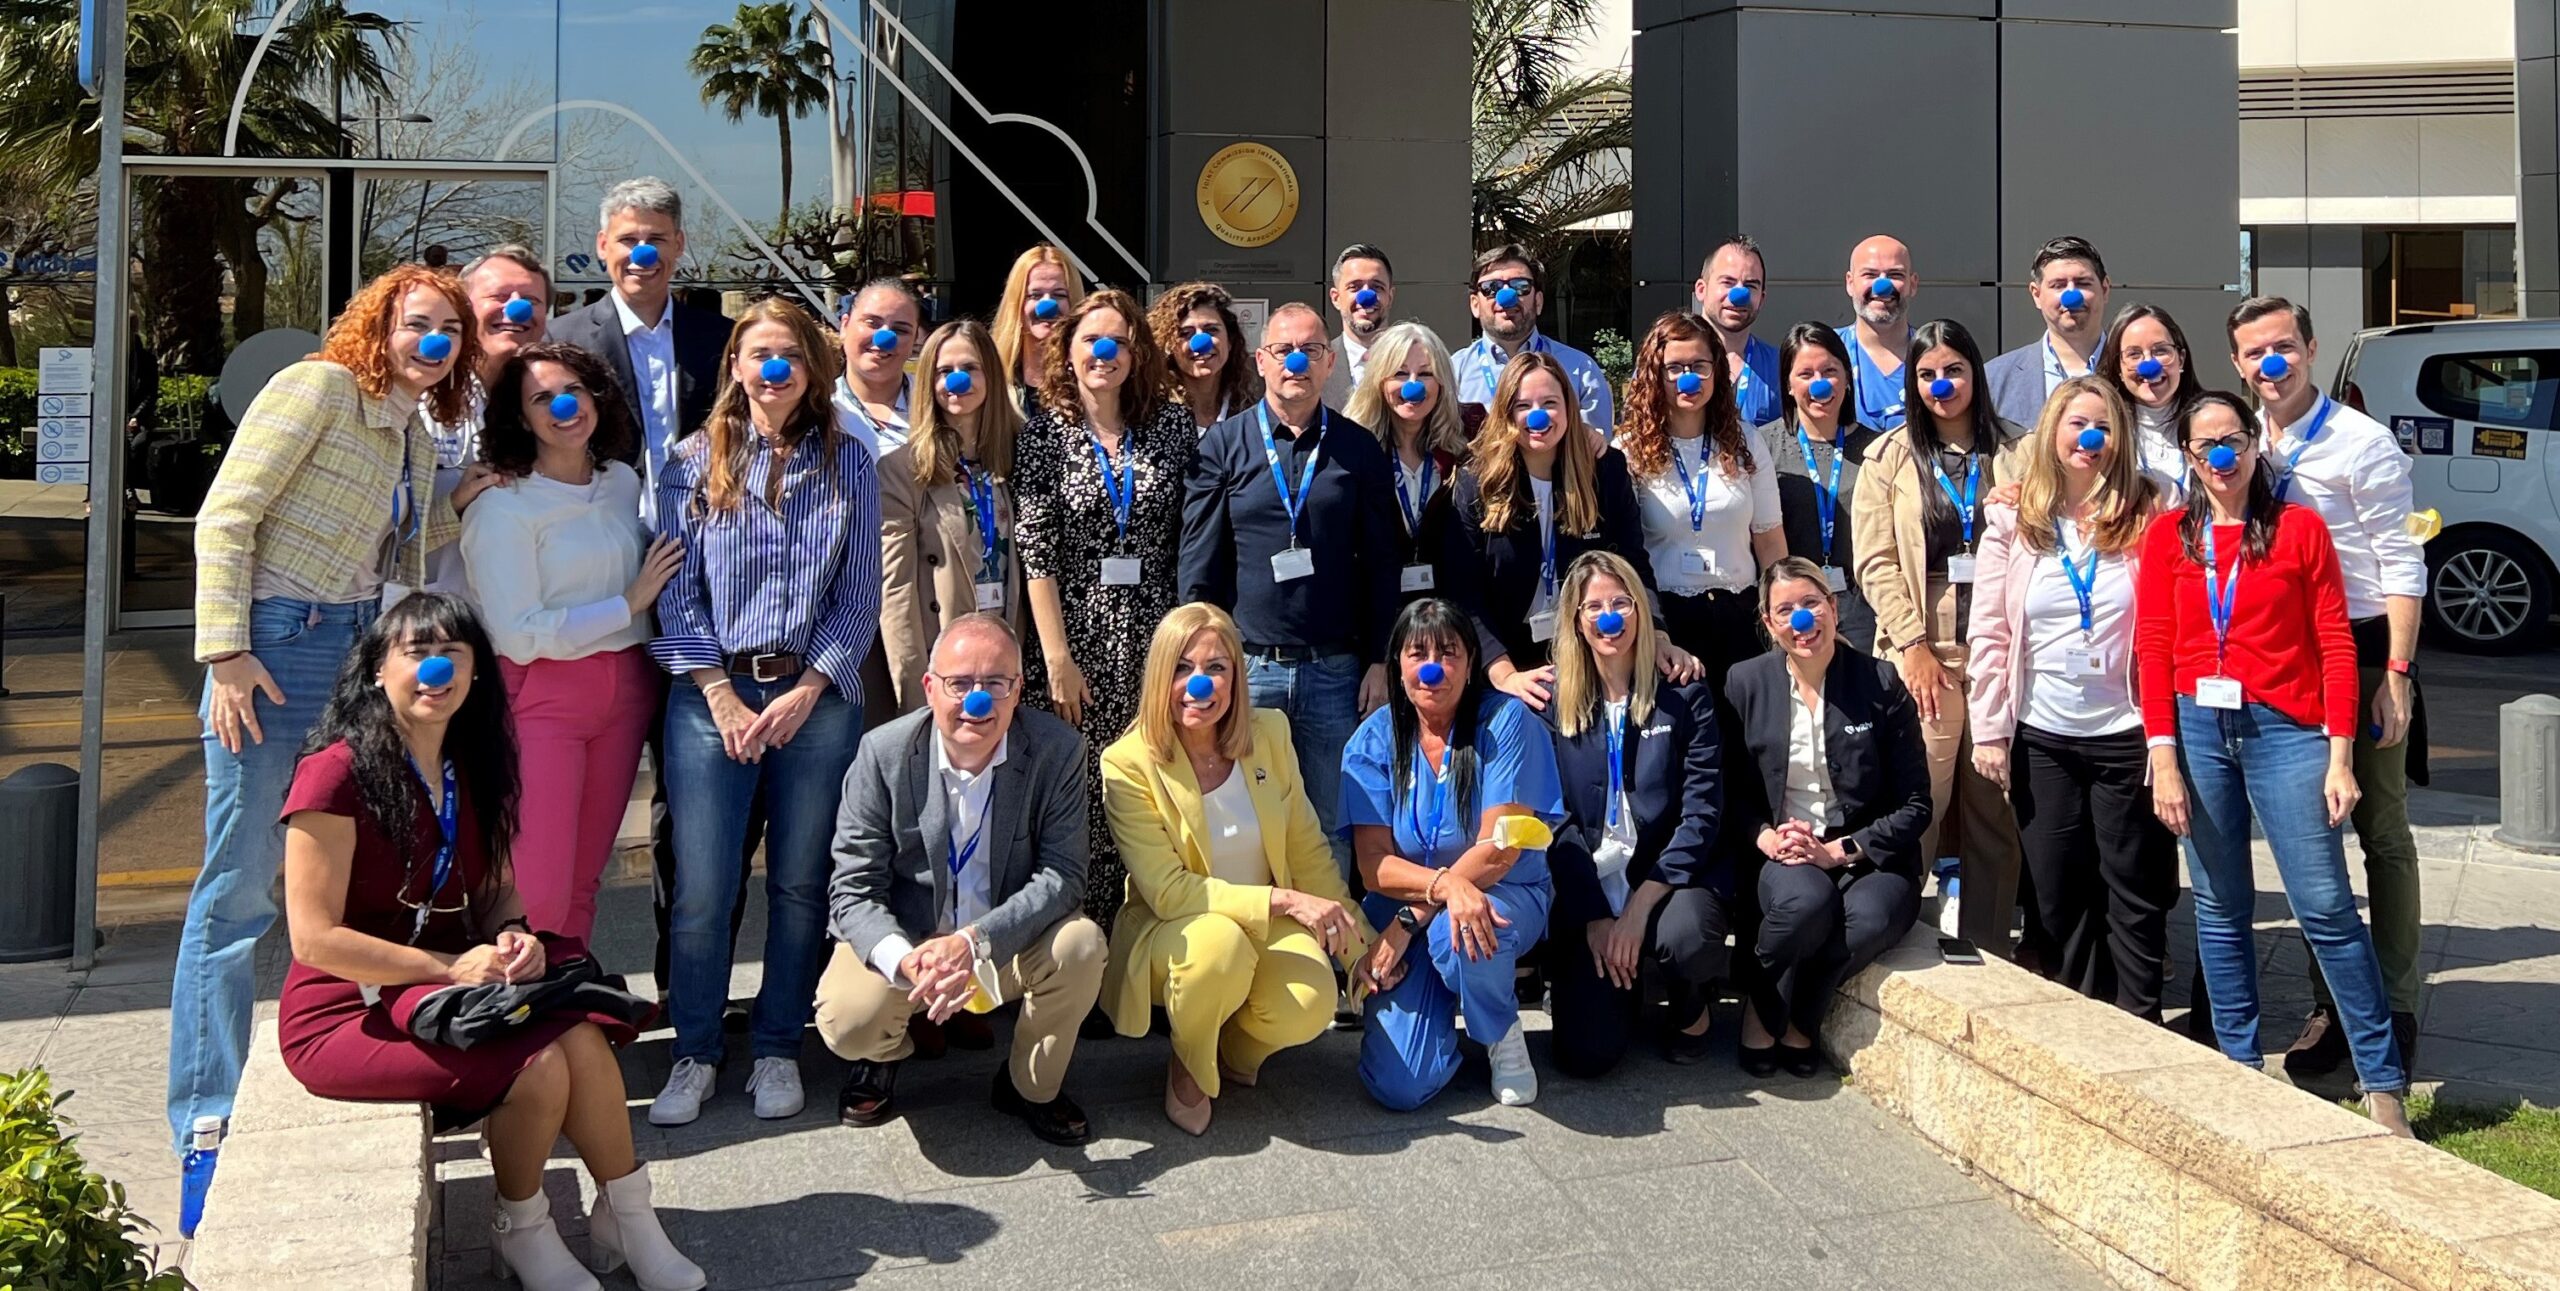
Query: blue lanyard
(2319, 422)
(1426, 784)
(1290, 502)
(982, 500)
(960, 856)
(448, 811)
(2084, 586)
(1972, 483)
(1547, 536)
(1872, 378)
(1412, 505)
(1617, 744)
(2219, 603)
(1696, 489)
(1826, 497)
(1124, 493)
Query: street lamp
(377, 118)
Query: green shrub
(17, 398)
(1615, 354)
(181, 399)
(61, 1226)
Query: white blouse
(1235, 833)
(1716, 554)
(549, 562)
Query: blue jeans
(1322, 700)
(2256, 757)
(1409, 1050)
(708, 801)
(302, 645)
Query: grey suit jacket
(2016, 383)
(893, 836)
(700, 336)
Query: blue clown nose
(2150, 369)
(1200, 687)
(2093, 439)
(1883, 289)
(2073, 298)
(2273, 367)
(1942, 388)
(1106, 349)
(519, 310)
(1202, 342)
(2222, 458)
(1801, 620)
(1412, 391)
(1296, 363)
(1430, 673)
(884, 339)
(1365, 298)
(564, 406)
(437, 671)
(645, 256)
(435, 347)
(1507, 298)
(775, 371)
(1045, 308)
(1609, 623)
(1689, 383)
(956, 382)
(1819, 388)
(1538, 419)
(1739, 298)
(977, 703)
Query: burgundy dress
(340, 1047)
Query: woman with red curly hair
(327, 493)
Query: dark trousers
(662, 859)
(1721, 628)
(2104, 870)
(1816, 927)
(1594, 1020)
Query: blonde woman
(1039, 290)
(1639, 877)
(946, 505)
(1405, 399)
(1236, 913)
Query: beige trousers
(863, 1017)
(1970, 816)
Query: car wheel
(2488, 592)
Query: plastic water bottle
(1950, 895)
(196, 1173)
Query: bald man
(1881, 334)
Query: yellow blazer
(1893, 538)
(929, 563)
(1156, 818)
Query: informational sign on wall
(63, 375)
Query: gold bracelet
(1431, 890)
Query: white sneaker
(1515, 1082)
(776, 1084)
(688, 1086)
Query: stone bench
(2158, 1160)
(315, 1193)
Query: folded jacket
(459, 1017)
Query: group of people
(1102, 654)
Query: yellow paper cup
(2423, 525)
(1528, 833)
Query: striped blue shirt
(802, 578)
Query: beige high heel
(1191, 1118)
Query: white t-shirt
(1715, 555)
(1544, 492)
(2058, 702)
(1235, 833)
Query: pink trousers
(579, 727)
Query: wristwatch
(1409, 921)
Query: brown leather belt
(766, 666)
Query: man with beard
(1880, 285)
(1507, 292)
(1728, 295)
(1364, 293)
(510, 294)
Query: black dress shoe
(1682, 1049)
(1057, 1121)
(966, 1030)
(1801, 1061)
(1761, 1062)
(869, 1096)
(2320, 1050)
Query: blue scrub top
(1755, 395)
(1516, 761)
(1879, 393)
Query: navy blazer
(1871, 732)
(1671, 764)
(1495, 576)
(701, 336)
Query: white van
(2477, 405)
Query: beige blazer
(929, 563)
(1893, 540)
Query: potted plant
(62, 1226)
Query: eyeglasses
(1312, 349)
(1614, 605)
(996, 687)
(1702, 367)
(1493, 286)
(2201, 449)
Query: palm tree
(1549, 145)
(764, 61)
(184, 58)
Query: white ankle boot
(623, 1228)
(526, 1246)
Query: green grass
(2519, 1141)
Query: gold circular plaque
(1248, 195)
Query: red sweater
(2290, 645)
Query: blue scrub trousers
(1409, 1051)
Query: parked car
(2477, 405)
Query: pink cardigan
(2003, 572)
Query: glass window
(2499, 389)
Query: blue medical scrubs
(1409, 1052)
(1879, 392)
(1755, 392)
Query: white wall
(2379, 170)
(2339, 35)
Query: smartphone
(1956, 950)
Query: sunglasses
(1492, 287)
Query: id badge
(2082, 661)
(2218, 692)
(1698, 561)
(1416, 578)
(1542, 626)
(1121, 571)
(1959, 569)
(1837, 577)
(990, 596)
(1294, 562)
